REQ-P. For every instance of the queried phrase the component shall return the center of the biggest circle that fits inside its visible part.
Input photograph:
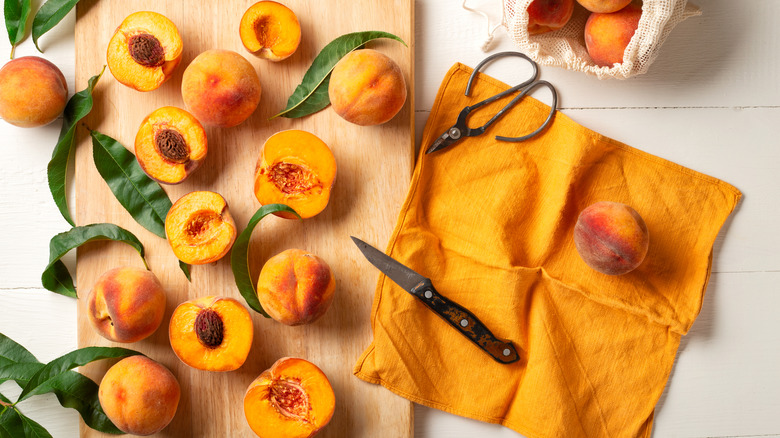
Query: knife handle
(465, 322)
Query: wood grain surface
(374, 166)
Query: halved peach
(270, 30)
(292, 399)
(211, 333)
(295, 168)
(199, 228)
(144, 51)
(170, 144)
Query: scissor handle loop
(500, 55)
(526, 87)
(547, 121)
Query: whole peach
(611, 237)
(139, 395)
(367, 88)
(608, 35)
(220, 88)
(33, 92)
(295, 287)
(126, 304)
(604, 6)
(548, 15)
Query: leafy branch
(72, 389)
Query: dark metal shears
(461, 130)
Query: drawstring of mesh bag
(487, 45)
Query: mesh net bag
(565, 47)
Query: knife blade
(456, 315)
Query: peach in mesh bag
(566, 47)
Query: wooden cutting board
(374, 168)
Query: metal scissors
(461, 130)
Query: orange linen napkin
(491, 224)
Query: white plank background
(710, 102)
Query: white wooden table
(710, 102)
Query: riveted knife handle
(465, 322)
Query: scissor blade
(440, 143)
(400, 274)
(451, 136)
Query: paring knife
(456, 315)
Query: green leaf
(11, 421)
(56, 277)
(16, 13)
(76, 391)
(141, 196)
(11, 352)
(39, 383)
(186, 269)
(72, 389)
(14, 424)
(77, 108)
(312, 93)
(239, 256)
(313, 101)
(20, 372)
(33, 429)
(51, 13)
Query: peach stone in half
(211, 333)
(144, 51)
(170, 145)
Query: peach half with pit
(220, 88)
(139, 395)
(611, 237)
(33, 92)
(211, 333)
(297, 169)
(199, 228)
(270, 30)
(144, 51)
(548, 15)
(295, 287)
(292, 399)
(367, 87)
(126, 304)
(170, 145)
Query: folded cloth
(490, 223)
